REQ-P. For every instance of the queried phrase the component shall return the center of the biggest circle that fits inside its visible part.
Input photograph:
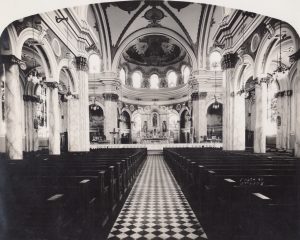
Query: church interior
(149, 120)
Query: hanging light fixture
(281, 67)
(216, 104)
(34, 75)
(94, 106)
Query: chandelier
(281, 68)
(216, 104)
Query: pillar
(239, 122)
(199, 115)
(2, 123)
(261, 116)
(228, 64)
(13, 118)
(78, 111)
(54, 118)
(111, 115)
(297, 109)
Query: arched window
(136, 79)
(154, 81)
(172, 79)
(215, 61)
(122, 76)
(186, 72)
(94, 63)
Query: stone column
(261, 116)
(228, 64)
(2, 124)
(83, 88)
(13, 118)
(297, 109)
(111, 114)
(239, 122)
(78, 112)
(199, 115)
(54, 118)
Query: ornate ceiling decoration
(178, 5)
(127, 6)
(154, 16)
(154, 50)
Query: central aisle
(156, 208)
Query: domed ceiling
(154, 50)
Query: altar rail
(158, 146)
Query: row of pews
(240, 195)
(72, 196)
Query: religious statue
(164, 126)
(154, 120)
(145, 127)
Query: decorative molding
(295, 57)
(93, 47)
(110, 97)
(29, 98)
(12, 60)
(228, 61)
(81, 63)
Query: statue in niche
(145, 127)
(154, 120)
(164, 126)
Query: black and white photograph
(152, 119)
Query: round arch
(150, 31)
(66, 63)
(267, 45)
(246, 69)
(30, 33)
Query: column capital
(261, 80)
(110, 97)
(195, 96)
(81, 63)
(228, 61)
(12, 60)
(51, 84)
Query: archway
(96, 114)
(174, 127)
(64, 91)
(249, 112)
(136, 127)
(125, 127)
(214, 123)
(35, 108)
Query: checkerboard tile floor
(156, 208)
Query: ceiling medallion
(255, 42)
(154, 16)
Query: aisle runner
(156, 208)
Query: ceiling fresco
(154, 50)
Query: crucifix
(114, 133)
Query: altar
(155, 141)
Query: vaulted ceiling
(191, 24)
